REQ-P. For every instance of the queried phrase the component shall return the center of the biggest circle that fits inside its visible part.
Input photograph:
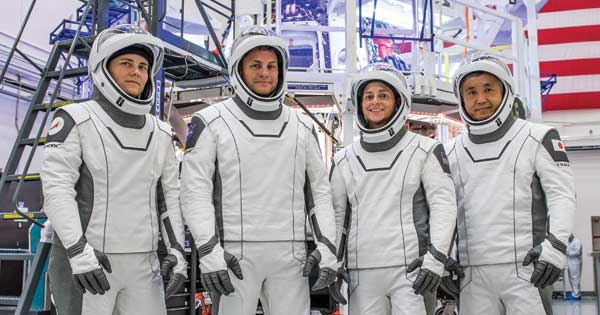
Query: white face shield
(251, 38)
(393, 78)
(108, 43)
(500, 70)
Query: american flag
(569, 46)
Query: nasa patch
(190, 132)
(555, 148)
(194, 130)
(440, 154)
(56, 126)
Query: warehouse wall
(8, 131)
(45, 16)
(587, 172)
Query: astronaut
(516, 196)
(394, 201)
(252, 183)
(574, 262)
(110, 182)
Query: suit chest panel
(375, 173)
(498, 174)
(256, 157)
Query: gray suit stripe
(218, 202)
(85, 195)
(539, 211)
(421, 219)
(308, 199)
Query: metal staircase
(117, 12)
(27, 137)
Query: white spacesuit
(395, 203)
(574, 262)
(516, 202)
(110, 181)
(252, 183)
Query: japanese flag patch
(558, 146)
(56, 126)
(555, 148)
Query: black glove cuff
(77, 248)
(439, 256)
(558, 245)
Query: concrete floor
(585, 306)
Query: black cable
(312, 116)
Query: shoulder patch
(60, 127)
(195, 128)
(555, 147)
(56, 126)
(440, 155)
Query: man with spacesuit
(515, 193)
(110, 182)
(394, 201)
(253, 182)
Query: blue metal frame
(186, 45)
(115, 12)
(372, 18)
(428, 3)
(547, 84)
(61, 32)
(159, 79)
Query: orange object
(206, 309)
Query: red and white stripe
(569, 46)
